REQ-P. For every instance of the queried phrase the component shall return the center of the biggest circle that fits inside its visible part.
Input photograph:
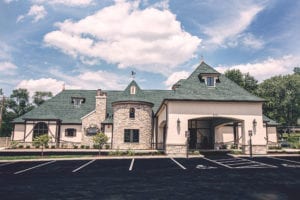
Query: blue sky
(89, 44)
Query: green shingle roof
(192, 88)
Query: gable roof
(60, 107)
(193, 88)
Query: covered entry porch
(214, 133)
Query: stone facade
(95, 117)
(142, 121)
(178, 150)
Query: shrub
(87, 147)
(96, 146)
(27, 146)
(52, 146)
(82, 146)
(14, 144)
(107, 146)
(20, 146)
(75, 146)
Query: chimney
(101, 104)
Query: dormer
(132, 89)
(210, 79)
(77, 101)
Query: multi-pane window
(132, 113)
(70, 132)
(131, 135)
(40, 128)
(210, 81)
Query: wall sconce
(178, 122)
(254, 123)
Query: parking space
(137, 165)
(211, 177)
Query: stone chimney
(101, 104)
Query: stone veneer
(176, 150)
(142, 121)
(256, 149)
(94, 118)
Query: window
(131, 135)
(77, 101)
(40, 128)
(210, 81)
(92, 131)
(132, 89)
(132, 113)
(70, 132)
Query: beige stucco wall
(18, 132)
(108, 128)
(224, 134)
(272, 134)
(142, 121)
(76, 139)
(185, 110)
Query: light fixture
(254, 123)
(178, 122)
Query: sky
(95, 44)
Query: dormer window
(210, 81)
(77, 101)
(132, 89)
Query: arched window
(132, 113)
(40, 128)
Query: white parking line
(263, 164)
(285, 160)
(217, 163)
(180, 165)
(40, 165)
(131, 164)
(82, 166)
(4, 164)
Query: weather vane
(133, 75)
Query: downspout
(156, 131)
(112, 135)
(58, 133)
(166, 129)
(24, 130)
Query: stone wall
(142, 121)
(95, 117)
(177, 150)
(256, 149)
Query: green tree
(19, 102)
(99, 140)
(246, 81)
(41, 141)
(283, 98)
(297, 70)
(40, 97)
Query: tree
(19, 102)
(283, 98)
(41, 141)
(297, 70)
(246, 81)
(40, 97)
(99, 140)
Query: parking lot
(210, 177)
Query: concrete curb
(265, 155)
(100, 158)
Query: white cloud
(266, 68)
(7, 68)
(92, 79)
(43, 84)
(148, 39)
(38, 12)
(176, 76)
(66, 2)
(229, 26)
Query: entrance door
(193, 139)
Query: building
(204, 111)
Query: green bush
(87, 147)
(82, 146)
(52, 146)
(27, 146)
(75, 146)
(14, 144)
(107, 146)
(96, 146)
(20, 146)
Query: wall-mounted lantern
(254, 123)
(178, 122)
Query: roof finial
(202, 58)
(133, 75)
